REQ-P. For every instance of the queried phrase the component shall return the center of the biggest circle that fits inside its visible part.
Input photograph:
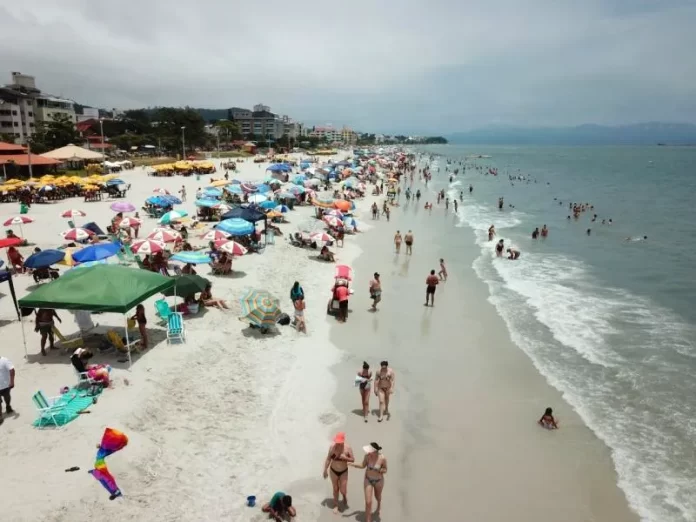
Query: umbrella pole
(130, 361)
(24, 337)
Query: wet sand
(463, 442)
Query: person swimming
(547, 420)
(513, 253)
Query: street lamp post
(103, 149)
(31, 174)
(183, 141)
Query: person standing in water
(408, 239)
(491, 233)
(431, 283)
(375, 466)
(501, 203)
(544, 231)
(397, 242)
(365, 383)
(337, 460)
(456, 206)
(385, 380)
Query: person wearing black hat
(375, 465)
(375, 291)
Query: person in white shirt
(7, 377)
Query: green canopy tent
(99, 288)
(186, 285)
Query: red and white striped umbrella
(164, 235)
(18, 220)
(130, 222)
(73, 213)
(321, 237)
(147, 247)
(334, 212)
(160, 191)
(76, 234)
(215, 235)
(333, 221)
(231, 247)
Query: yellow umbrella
(68, 259)
(220, 183)
(274, 214)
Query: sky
(410, 67)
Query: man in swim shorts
(408, 239)
(431, 283)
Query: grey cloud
(405, 66)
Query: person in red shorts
(341, 294)
(431, 283)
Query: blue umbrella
(297, 189)
(299, 180)
(173, 200)
(282, 209)
(304, 165)
(97, 252)
(262, 189)
(208, 203)
(213, 192)
(280, 167)
(194, 258)
(286, 195)
(234, 189)
(236, 227)
(89, 263)
(268, 204)
(114, 182)
(44, 259)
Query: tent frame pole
(130, 361)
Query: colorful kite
(112, 441)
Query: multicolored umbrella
(173, 216)
(76, 234)
(321, 237)
(147, 247)
(333, 221)
(230, 247)
(215, 235)
(73, 213)
(193, 258)
(334, 212)
(164, 235)
(130, 222)
(122, 206)
(260, 308)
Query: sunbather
(96, 372)
(188, 269)
(207, 299)
(326, 254)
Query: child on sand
(299, 315)
(142, 324)
(443, 270)
(547, 420)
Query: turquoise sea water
(609, 322)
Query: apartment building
(257, 122)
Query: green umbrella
(260, 308)
(187, 284)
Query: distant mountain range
(653, 133)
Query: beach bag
(284, 319)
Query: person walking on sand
(299, 305)
(375, 466)
(183, 193)
(375, 291)
(431, 283)
(7, 382)
(44, 325)
(364, 381)
(337, 460)
(385, 380)
(408, 239)
(397, 241)
(443, 270)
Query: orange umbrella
(343, 205)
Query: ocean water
(609, 322)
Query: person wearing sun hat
(375, 465)
(338, 459)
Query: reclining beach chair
(117, 342)
(175, 328)
(68, 344)
(163, 310)
(48, 409)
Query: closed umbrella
(231, 247)
(147, 247)
(173, 216)
(122, 206)
(193, 258)
(186, 285)
(236, 227)
(76, 234)
(260, 308)
(44, 259)
(97, 252)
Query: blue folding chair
(175, 328)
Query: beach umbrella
(286, 195)
(343, 272)
(270, 180)
(257, 198)
(76, 234)
(343, 205)
(122, 206)
(173, 216)
(235, 189)
(130, 222)
(164, 235)
(230, 247)
(19, 220)
(114, 182)
(268, 204)
(73, 213)
(87, 264)
(320, 237)
(219, 183)
(161, 191)
(260, 308)
(193, 258)
(280, 167)
(333, 221)
(334, 212)
(296, 189)
(44, 259)
(215, 235)
(282, 209)
(147, 247)
(207, 203)
(212, 192)
(186, 285)
(97, 252)
(263, 188)
(68, 259)
(323, 203)
(236, 227)
(172, 200)
(299, 179)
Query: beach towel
(112, 441)
(73, 402)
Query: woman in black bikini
(375, 465)
(366, 374)
(499, 248)
(339, 457)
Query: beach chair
(68, 344)
(115, 339)
(175, 328)
(71, 223)
(122, 259)
(163, 310)
(84, 378)
(48, 409)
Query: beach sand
(230, 413)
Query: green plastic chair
(48, 409)
(175, 328)
(163, 309)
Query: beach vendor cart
(342, 277)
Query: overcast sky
(411, 66)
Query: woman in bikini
(365, 374)
(339, 457)
(397, 241)
(375, 465)
(384, 387)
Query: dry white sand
(230, 413)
